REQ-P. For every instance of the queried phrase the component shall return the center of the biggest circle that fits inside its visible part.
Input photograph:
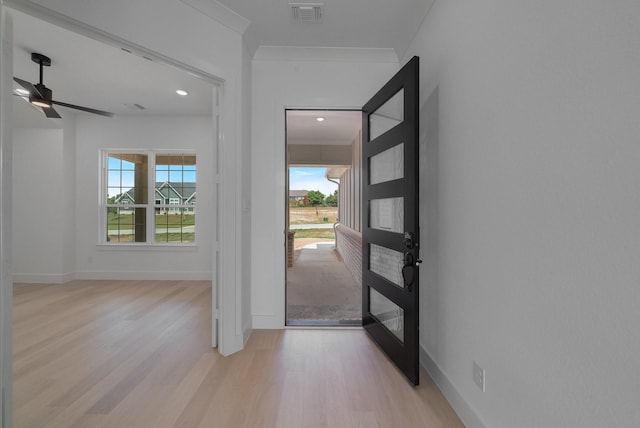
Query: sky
(310, 178)
(121, 175)
(300, 178)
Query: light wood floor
(136, 354)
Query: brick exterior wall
(290, 252)
(349, 245)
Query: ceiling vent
(134, 106)
(306, 12)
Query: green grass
(125, 221)
(160, 238)
(315, 233)
(175, 237)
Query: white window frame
(151, 206)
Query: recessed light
(182, 92)
(21, 92)
(320, 119)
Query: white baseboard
(150, 275)
(38, 278)
(43, 278)
(247, 334)
(267, 322)
(459, 404)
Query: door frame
(286, 200)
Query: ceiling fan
(41, 96)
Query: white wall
(44, 198)
(538, 210)
(70, 184)
(6, 280)
(39, 206)
(245, 177)
(294, 78)
(55, 203)
(172, 133)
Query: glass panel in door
(387, 116)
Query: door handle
(408, 270)
(408, 273)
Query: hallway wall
(44, 200)
(39, 206)
(294, 78)
(538, 237)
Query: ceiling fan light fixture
(182, 92)
(40, 102)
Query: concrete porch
(320, 288)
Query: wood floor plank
(105, 354)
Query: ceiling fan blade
(50, 112)
(28, 86)
(87, 109)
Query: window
(150, 198)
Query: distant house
(297, 196)
(166, 193)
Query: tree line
(316, 198)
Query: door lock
(409, 240)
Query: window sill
(147, 247)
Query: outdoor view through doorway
(322, 288)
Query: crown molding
(298, 53)
(220, 13)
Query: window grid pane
(172, 202)
(175, 198)
(122, 224)
(175, 227)
(127, 178)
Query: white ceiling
(338, 127)
(346, 23)
(93, 74)
(90, 73)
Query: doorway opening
(323, 286)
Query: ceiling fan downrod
(43, 61)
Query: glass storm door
(390, 219)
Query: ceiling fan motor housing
(46, 93)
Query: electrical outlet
(478, 375)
